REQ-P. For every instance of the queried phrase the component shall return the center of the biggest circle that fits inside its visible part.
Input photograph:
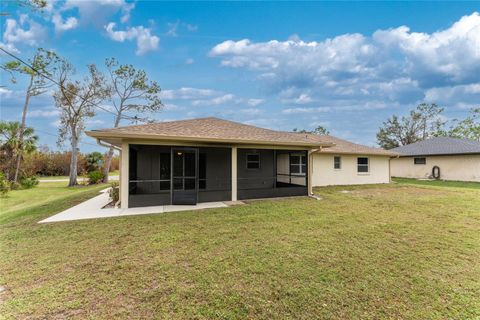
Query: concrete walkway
(92, 209)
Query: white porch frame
(124, 175)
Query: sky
(347, 66)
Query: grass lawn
(439, 183)
(399, 251)
(28, 202)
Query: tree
(10, 145)
(320, 130)
(422, 123)
(34, 5)
(431, 123)
(77, 101)
(42, 62)
(94, 161)
(133, 93)
(468, 128)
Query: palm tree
(11, 145)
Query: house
(442, 157)
(210, 159)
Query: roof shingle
(219, 130)
(346, 147)
(211, 129)
(440, 146)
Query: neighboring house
(453, 159)
(210, 159)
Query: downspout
(108, 145)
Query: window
(362, 165)
(298, 164)
(253, 161)
(337, 162)
(419, 160)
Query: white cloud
(255, 102)
(23, 31)
(303, 98)
(9, 47)
(187, 93)
(189, 61)
(63, 25)
(172, 107)
(56, 123)
(206, 97)
(191, 27)
(97, 11)
(463, 96)
(453, 53)
(94, 121)
(390, 66)
(126, 9)
(214, 101)
(5, 93)
(173, 28)
(251, 111)
(145, 40)
(43, 113)
(358, 107)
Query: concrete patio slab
(92, 209)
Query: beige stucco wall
(456, 167)
(324, 174)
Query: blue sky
(346, 66)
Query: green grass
(439, 183)
(27, 202)
(392, 251)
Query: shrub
(28, 183)
(14, 185)
(48, 163)
(95, 177)
(4, 185)
(93, 161)
(85, 180)
(114, 192)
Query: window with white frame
(298, 164)
(337, 162)
(362, 165)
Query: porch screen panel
(214, 174)
(149, 175)
(281, 173)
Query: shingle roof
(212, 130)
(346, 147)
(440, 146)
(219, 130)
